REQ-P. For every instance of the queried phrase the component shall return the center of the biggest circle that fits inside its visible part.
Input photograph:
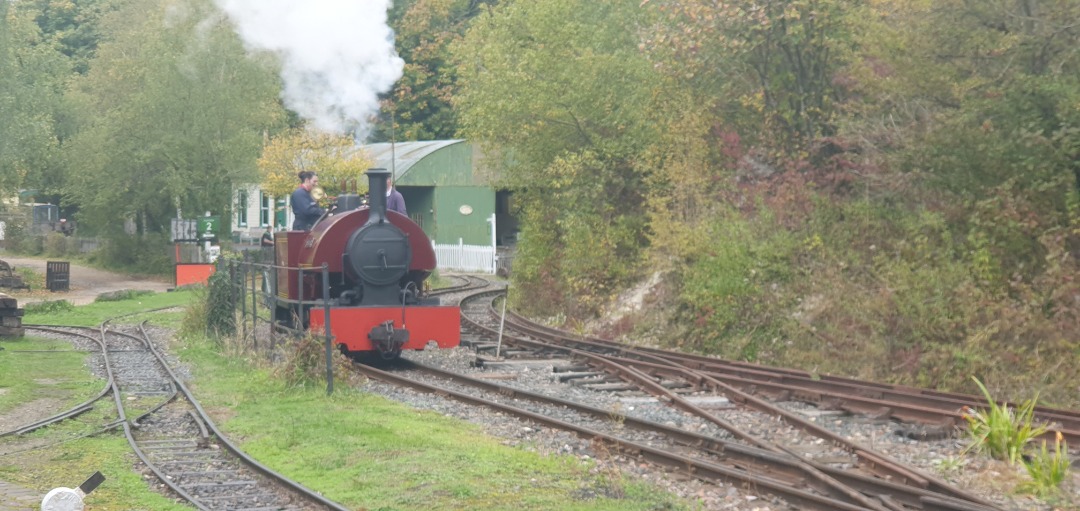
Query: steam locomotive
(377, 262)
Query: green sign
(208, 227)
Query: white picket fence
(467, 258)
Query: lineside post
(326, 314)
(242, 283)
(502, 320)
(300, 298)
(254, 310)
(272, 300)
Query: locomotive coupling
(387, 339)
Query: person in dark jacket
(305, 210)
(267, 237)
(394, 200)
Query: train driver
(305, 209)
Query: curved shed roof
(402, 156)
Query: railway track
(816, 456)
(171, 433)
(932, 412)
(709, 457)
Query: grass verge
(28, 374)
(365, 451)
(67, 453)
(130, 310)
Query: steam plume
(336, 55)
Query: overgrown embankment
(884, 190)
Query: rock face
(10, 317)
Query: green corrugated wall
(436, 189)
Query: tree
(72, 26)
(986, 89)
(335, 158)
(559, 89)
(776, 62)
(7, 100)
(419, 107)
(32, 77)
(172, 116)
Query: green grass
(32, 278)
(25, 377)
(365, 451)
(66, 459)
(358, 449)
(69, 456)
(57, 456)
(94, 313)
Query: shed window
(266, 208)
(241, 208)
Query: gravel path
(86, 283)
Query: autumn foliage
(882, 189)
(335, 158)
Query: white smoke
(336, 55)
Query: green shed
(444, 190)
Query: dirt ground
(86, 283)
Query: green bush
(123, 294)
(14, 231)
(581, 240)
(55, 244)
(30, 245)
(49, 307)
(732, 291)
(213, 310)
(220, 305)
(148, 254)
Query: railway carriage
(377, 262)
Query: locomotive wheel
(285, 316)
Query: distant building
(446, 192)
(254, 210)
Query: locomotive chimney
(377, 195)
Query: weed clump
(121, 295)
(1048, 469)
(1002, 432)
(49, 307)
(304, 361)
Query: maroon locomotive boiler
(377, 262)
